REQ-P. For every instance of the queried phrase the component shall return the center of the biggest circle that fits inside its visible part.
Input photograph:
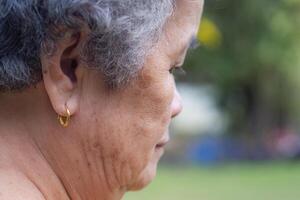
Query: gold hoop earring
(64, 120)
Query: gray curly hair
(122, 32)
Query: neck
(50, 157)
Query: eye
(177, 71)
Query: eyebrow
(194, 43)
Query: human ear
(63, 73)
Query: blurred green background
(247, 182)
(238, 135)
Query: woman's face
(125, 130)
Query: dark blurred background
(239, 134)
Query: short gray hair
(122, 34)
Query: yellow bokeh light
(209, 34)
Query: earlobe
(60, 75)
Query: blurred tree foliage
(251, 53)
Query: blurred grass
(272, 181)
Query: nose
(176, 104)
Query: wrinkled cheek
(128, 152)
(144, 178)
(132, 167)
(104, 153)
(144, 159)
(138, 153)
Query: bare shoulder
(15, 186)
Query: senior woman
(87, 93)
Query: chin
(145, 177)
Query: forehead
(182, 26)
